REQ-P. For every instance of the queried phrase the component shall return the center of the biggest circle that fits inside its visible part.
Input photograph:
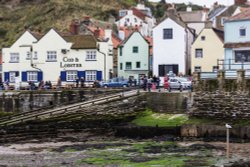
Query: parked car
(115, 82)
(180, 83)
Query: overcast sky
(208, 3)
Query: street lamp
(228, 127)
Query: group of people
(150, 82)
(81, 81)
(44, 85)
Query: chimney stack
(74, 27)
(97, 32)
(240, 2)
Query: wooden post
(227, 143)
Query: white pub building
(48, 57)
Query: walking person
(149, 85)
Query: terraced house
(237, 42)
(53, 55)
(133, 57)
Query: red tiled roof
(244, 15)
(138, 13)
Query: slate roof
(81, 41)
(216, 11)
(244, 15)
(194, 16)
(219, 33)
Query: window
(242, 32)
(168, 33)
(138, 64)
(91, 55)
(128, 65)
(90, 75)
(120, 51)
(135, 20)
(127, 19)
(222, 21)
(14, 57)
(13, 74)
(51, 55)
(71, 75)
(242, 56)
(203, 38)
(32, 76)
(198, 53)
(28, 57)
(215, 68)
(121, 66)
(135, 49)
(197, 68)
(35, 57)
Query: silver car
(179, 83)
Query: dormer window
(242, 32)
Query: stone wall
(215, 131)
(14, 101)
(168, 102)
(221, 98)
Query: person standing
(82, 80)
(59, 83)
(77, 82)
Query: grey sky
(208, 3)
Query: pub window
(90, 75)
(91, 55)
(14, 57)
(51, 56)
(71, 75)
(32, 76)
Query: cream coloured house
(207, 49)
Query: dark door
(165, 69)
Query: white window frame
(12, 76)
(91, 55)
(14, 57)
(91, 75)
(71, 75)
(196, 68)
(32, 76)
(51, 56)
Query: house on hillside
(56, 55)
(172, 41)
(136, 17)
(207, 49)
(133, 57)
(219, 13)
(237, 41)
(194, 19)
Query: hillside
(18, 15)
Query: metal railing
(233, 64)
